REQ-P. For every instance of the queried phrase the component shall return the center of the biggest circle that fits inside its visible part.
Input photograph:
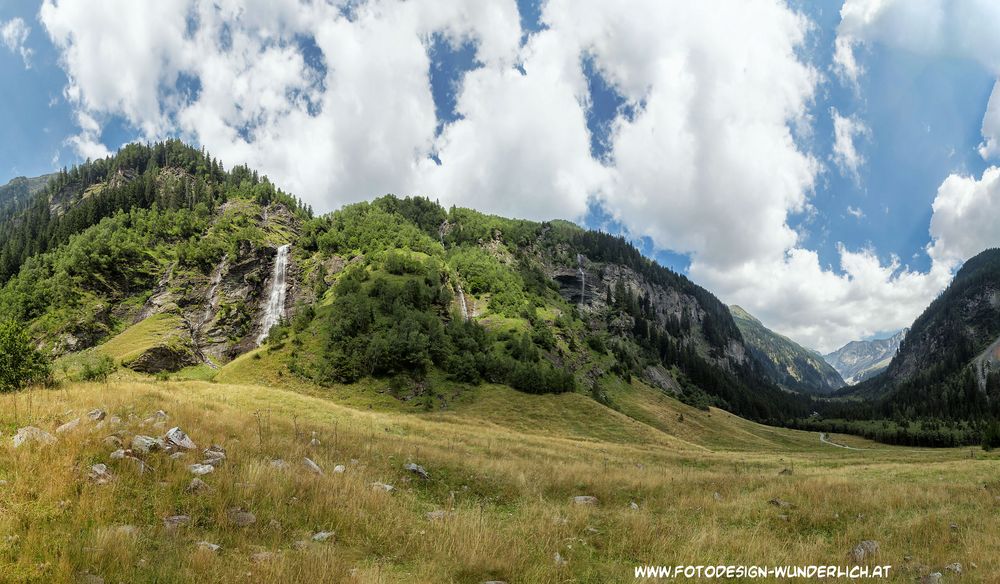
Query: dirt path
(825, 440)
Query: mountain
(162, 260)
(948, 366)
(22, 188)
(784, 361)
(860, 360)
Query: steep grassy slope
(786, 362)
(505, 488)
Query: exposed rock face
(859, 360)
(172, 357)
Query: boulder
(339, 468)
(383, 487)
(584, 500)
(633, 505)
(113, 441)
(214, 452)
(99, 474)
(201, 469)
(279, 463)
(417, 470)
(207, 546)
(241, 518)
(176, 521)
(954, 568)
(312, 466)
(96, 415)
(323, 536)
(197, 485)
(32, 434)
(161, 358)
(68, 426)
(865, 550)
(146, 444)
(176, 437)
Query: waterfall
(274, 311)
(583, 279)
(461, 301)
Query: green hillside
(786, 362)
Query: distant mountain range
(786, 362)
(860, 360)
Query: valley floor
(673, 485)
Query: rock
(262, 557)
(383, 487)
(312, 466)
(339, 468)
(955, 568)
(118, 454)
(197, 485)
(323, 536)
(785, 472)
(633, 506)
(417, 470)
(115, 420)
(201, 469)
(173, 357)
(68, 426)
(300, 544)
(146, 444)
(113, 441)
(560, 561)
(436, 515)
(214, 452)
(315, 441)
(717, 496)
(207, 546)
(954, 526)
(178, 438)
(176, 521)
(32, 434)
(99, 474)
(584, 500)
(779, 503)
(96, 415)
(241, 518)
(932, 578)
(865, 550)
(139, 464)
(278, 463)
(178, 455)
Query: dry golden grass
(504, 466)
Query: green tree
(20, 363)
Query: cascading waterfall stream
(583, 279)
(274, 311)
(461, 301)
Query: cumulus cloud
(845, 154)
(990, 148)
(855, 212)
(14, 34)
(966, 217)
(335, 104)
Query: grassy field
(503, 467)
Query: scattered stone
(315, 441)
(208, 546)
(262, 557)
(175, 521)
(932, 578)
(278, 463)
(954, 526)
(865, 550)
(178, 455)
(560, 561)
(214, 452)
(955, 568)
(197, 486)
(139, 464)
(115, 420)
(717, 496)
(633, 505)
(339, 468)
(113, 441)
(312, 466)
(68, 426)
(118, 454)
(300, 544)
(780, 503)
(178, 438)
(241, 518)
(584, 500)
(323, 536)
(146, 444)
(436, 515)
(201, 469)
(417, 470)
(32, 434)
(96, 415)
(383, 487)
(99, 474)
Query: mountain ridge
(860, 360)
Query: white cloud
(966, 217)
(14, 34)
(703, 159)
(990, 147)
(856, 212)
(845, 154)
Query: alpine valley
(384, 392)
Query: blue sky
(921, 112)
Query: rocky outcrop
(173, 357)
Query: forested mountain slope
(172, 258)
(784, 361)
